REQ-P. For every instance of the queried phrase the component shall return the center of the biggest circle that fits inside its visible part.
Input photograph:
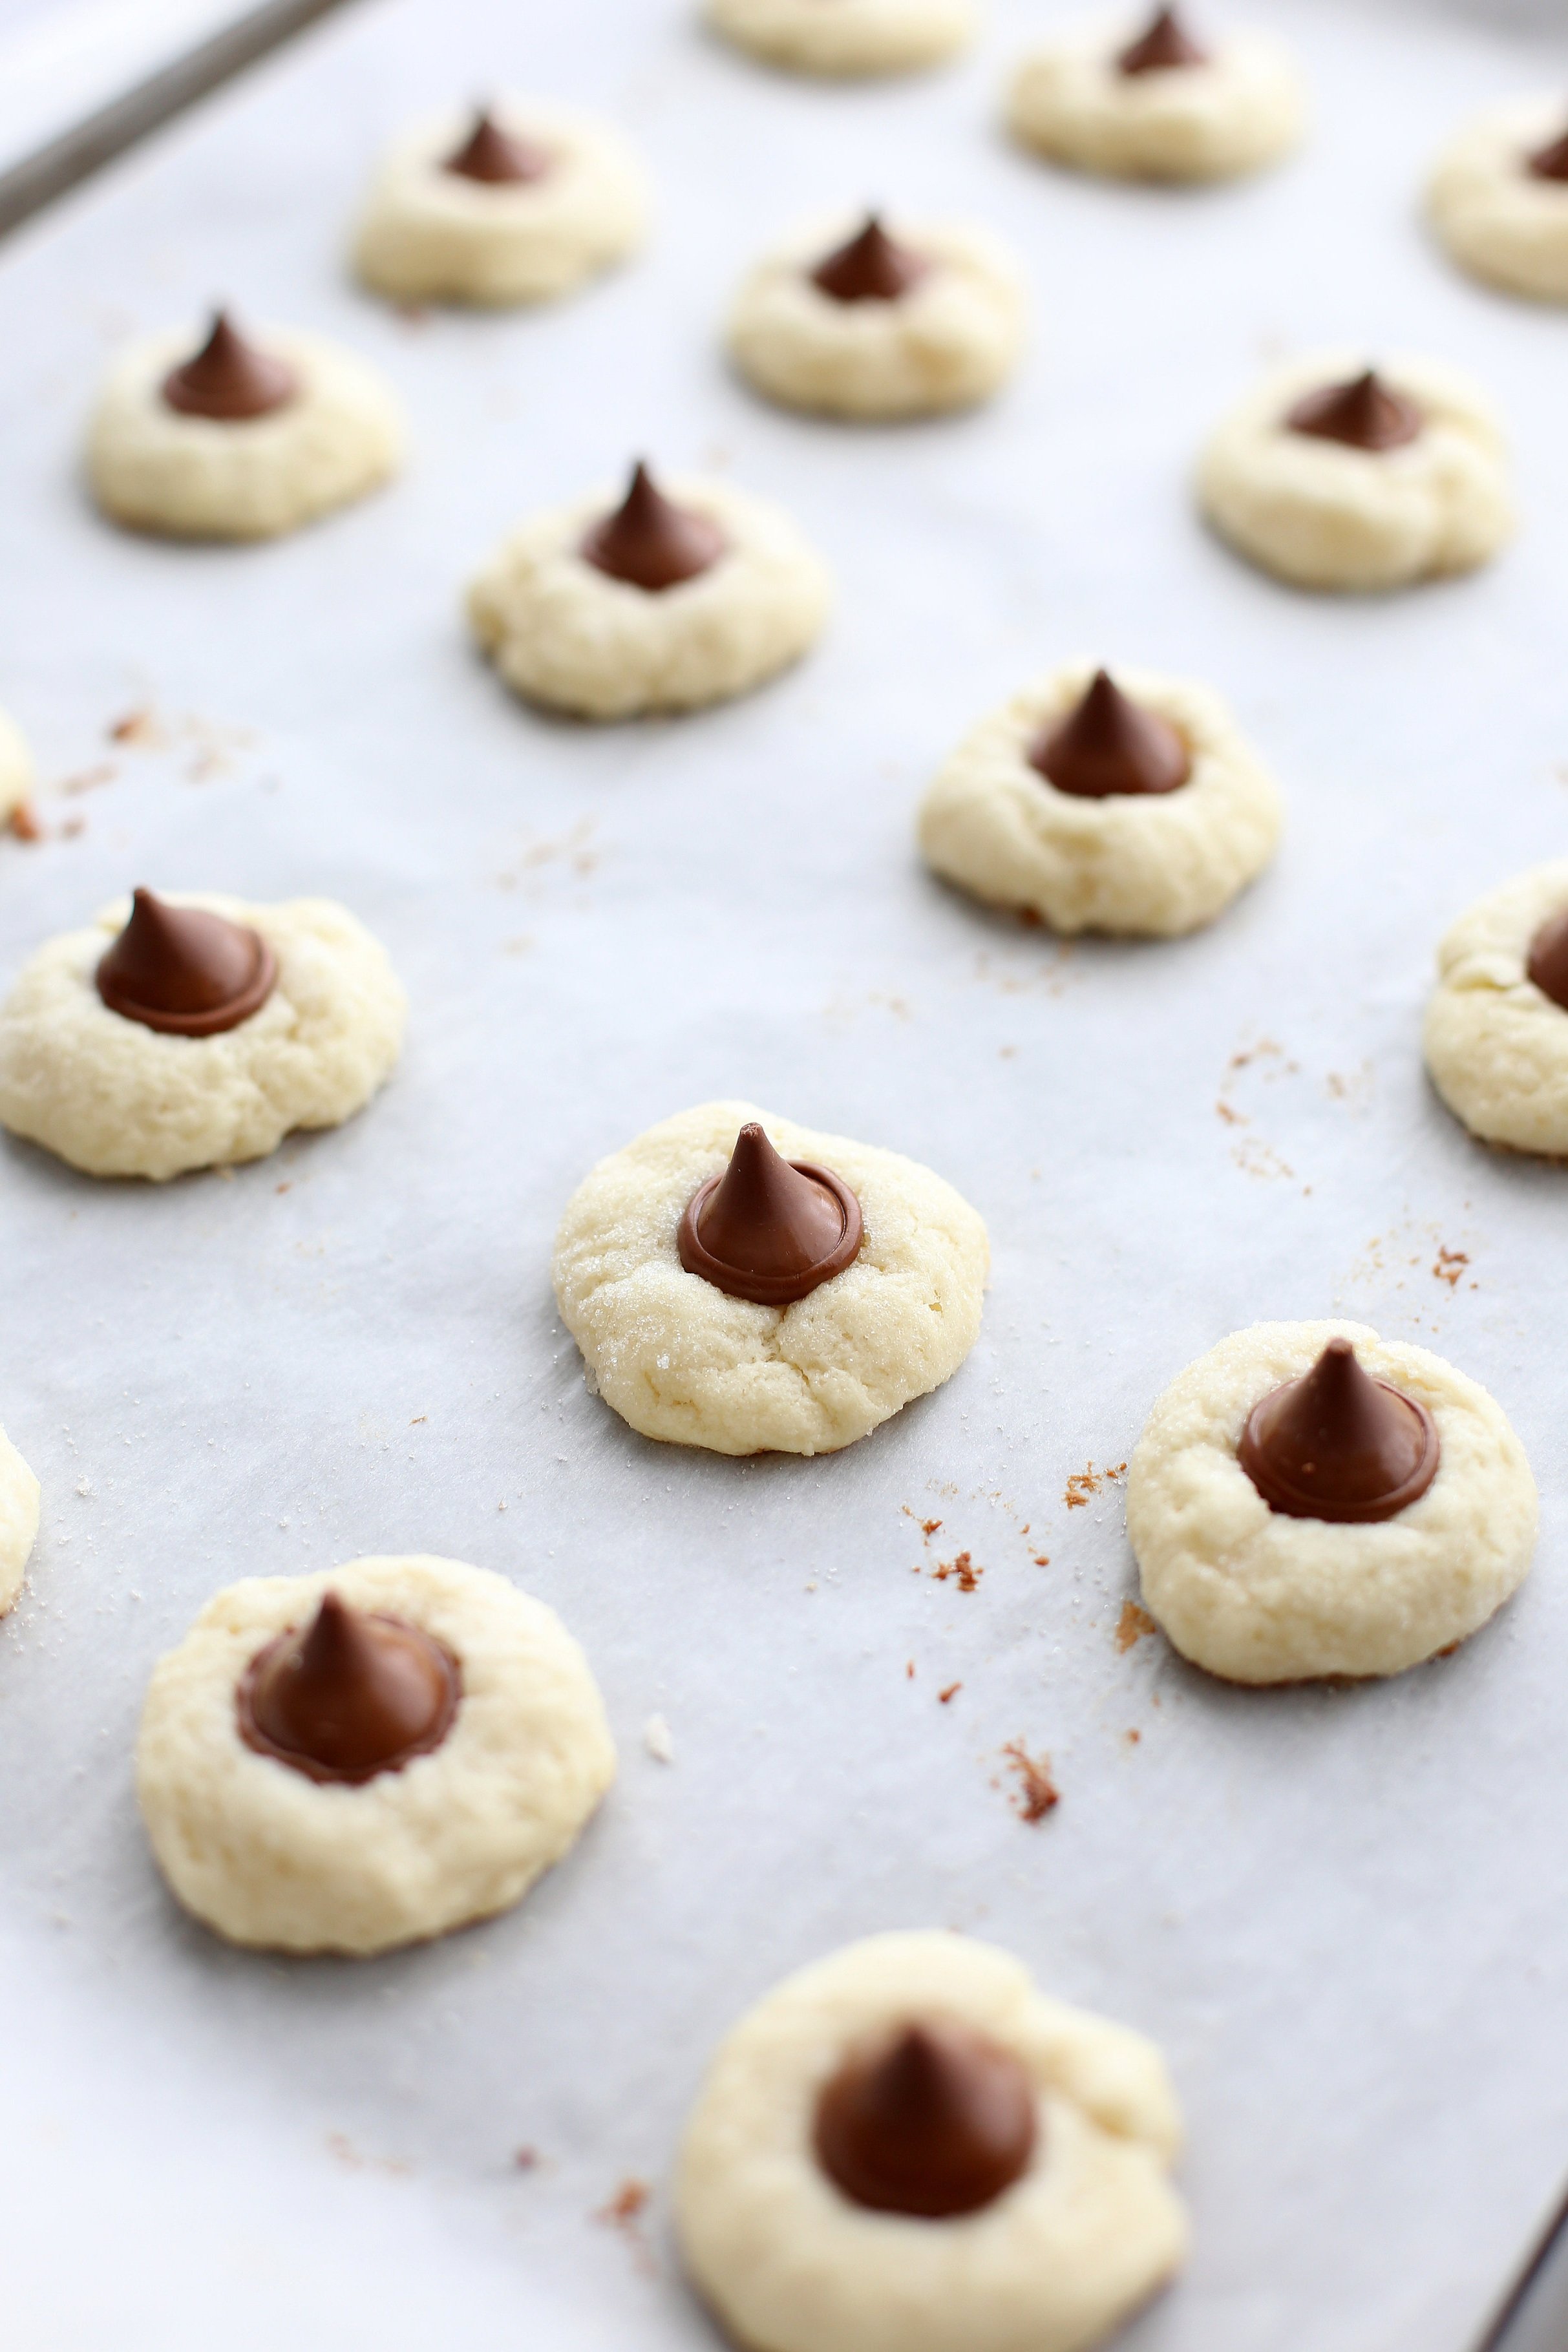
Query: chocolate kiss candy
(870, 268)
(352, 1696)
(651, 544)
(1363, 415)
(229, 379)
(1339, 1446)
(1551, 162)
(769, 1229)
(1166, 43)
(185, 970)
(927, 2119)
(1110, 744)
(496, 157)
(1548, 965)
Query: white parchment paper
(1341, 1912)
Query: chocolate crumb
(910, 1670)
(525, 2159)
(1132, 1624)
(24, 822)
(944, 1698)
(1038, 1793)
(1133, 1737)
(140, 727)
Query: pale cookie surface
(270, 1857)
(946, 344)
(847, 37)
(1499, 219)
(1260, 1597)
(117, 1099)
(1157, 863)
(16, 767)
(18, 1521)
(1085, 2235)
(563, 633)
(430, 235)
(684, 1361)
(1497, 1046)
(183, 476)
(1321, 515)
(1244, 108)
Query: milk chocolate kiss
(183, 970)
(650, 542)
(498, 158)
(229, 379)
(1548, 965)
(1365, 413)
(1167, 43)
(769, 1229)
(1110, 744)
(1337, 1444)
(871, 268)
(352, 1696)
(927, 2119)
(1550, 163)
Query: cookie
(1330, 475)
(1499, 198)
(18, 1521)
(355, 1760)
(195, 1032)
(740, 1283)
(1158, 104)
(1308, 1500)
(661, 604)
(906, 2148)
(847, 319)
(846, 40)
(241, 440)
(15, 767)
(519, 205)
(1132, 805)
(1497, 1025)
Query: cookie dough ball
(1132, 804)
(196, 1031)
(1499, 198)
(847, 39)
(850, 321)
(907, 2148)
(1160, 104)
(355, 1760)
(1496, 1027)
(661, 604)
(1310, 1499)
(738, 1282)
(1330, 475)
(518, 206)
(15, 767)
(18, 1521)
(242, 440)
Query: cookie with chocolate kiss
(769, 1229)
(1108, 744)
(871, 266)
(650, 542)
(497, 158)
(1340, 1447)
(352, 1696)
(230, 380)
(927, 2118)
(185, 970)
(1364, 414)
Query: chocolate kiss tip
(495, 157)
(649, 542)
(354, 1695)
(1167, 44)
(1108, 744)
(769, 1229)
(1550, 163)
(228, 379)
(871, 266)
(183, 970)
(929, 2120)
(1548, 963)
(1364, 414)
(1338, 1446)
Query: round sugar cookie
(431, 234)
(847, 39)
(1499, 198)
(1322, 514)
(269, 1856)
(1257, 1596)
(18, 1521)
(1088, 2231)
(16, 767)
(687, 1362)
(116, 1097)
(1496, 1040)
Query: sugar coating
(685, 1362)
(846, 38)
(1244, 108)
(563, 633)
(18, 1521)
(1157, 863)
(272, 1858)
(1497, 1046)
(16, 767)
(1086, 2234)
(1260, 1597)
(950, 341)
(430, 235)
(156, 470)
(117, 1099)
(1321, 515)
(1498, 219)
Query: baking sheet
(1340, 1911)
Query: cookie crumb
(1449, 1265)
(1084, 1483)
(1133, 1737)
(417, 1419)
(1038, 1793)
(24, 822)
(951, 1693)
(140, 727)
(525, 2159)
(962, 1569)
(909, 1671)
(1132, 1624)
(658, 1739)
